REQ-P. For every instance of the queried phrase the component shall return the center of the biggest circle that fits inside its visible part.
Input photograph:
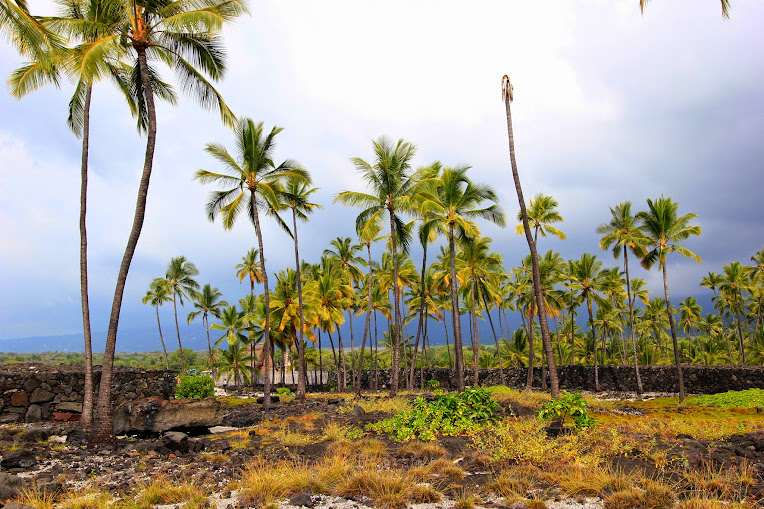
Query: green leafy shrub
(432, 385)
(194, 386)
(567, 405)
(449, 414)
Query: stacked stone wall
(35, 392)
(697, 379)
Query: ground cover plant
(645, 453)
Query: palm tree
(27, 34)
(252, 182)
(180, 277)
(295, 195)
(690, 314)
(450, 204)
(391, 186)
(207, 302)
(183, 35)
(157, 294)
(588, 279)
(734, 282)
(232, 323)
(542, 213)
(665, 229)
(725, 7)
(507, 93)
(624, 233)
(345, 253)
(250, 268)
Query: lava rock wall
(38, 392)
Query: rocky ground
(54, 457)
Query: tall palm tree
(183, 35)
(690, 314)
(346, 254)
(251, 182)
(665, 229)
(157, 294)
(250, 268)
(450, 204)
(391, 187)
(295, 195)
(207, 302)
(507, 94)
(180, 278)
(588, 279)
(734, 282)
(624, 234)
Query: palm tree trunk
(396, 343)
(531, 347)
(102, 431)
(343, 382)
(320, 361)
(266, 293)
(739, 332)
(177, 329)
(448, 349)
(376, 353)
(677, 358)
(545, 337)
(419, 326)
(301, 368)
(367, 323)
(352, 347)
(475, 339)
(209, 344)
(87, 402)
(455, 315)
(495, 339)
(161, 338)
(336, 360)
(594, 342)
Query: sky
(609, 106)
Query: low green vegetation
(568, 405)
(194, 386)
(751, 398)
(448, 414)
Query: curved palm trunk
(87, 402)
(455, 316)
(448, 347)
(301, 368)
(267, 341)
(177, 329)
(336, 360)
(421, 319)
(677, 358)
(396, 350)
(161, 338)
(102, 431)
(366, 326)
(545, 337)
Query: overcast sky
(610, 106)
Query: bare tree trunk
(496, 340)
(396, 343)
(177, 329)
(102, 430)
(161, 338)
(301, 367)
(448, 350)
(475, 339)
(594, 340)
(455, 314)
(545, 337)
(367, 323)
(421, 317)
(86, 418)
(266, 292)
(677, 358)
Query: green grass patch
(750, 398)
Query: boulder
(19, 398)
(34, 414)
(19, 459)
(36, 435)
(40, 395)
(157, 415)
(69, 407)
(10, 486)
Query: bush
(449, 414)
(194, 386)
(567, 405)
